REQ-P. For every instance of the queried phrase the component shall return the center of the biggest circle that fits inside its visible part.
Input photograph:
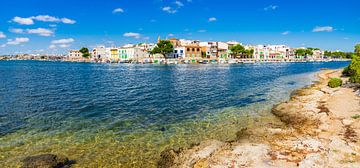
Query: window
(193, 49)
(198, 49)
(188, 49)
(181, 51)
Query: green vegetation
(353, 70)
(164, 47)
(335, 82)
(239, 50)
(304, 52)
(85, 52)
(338, 54)
(357, 116)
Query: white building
(99, 54)
(273, 52)
(75, 55)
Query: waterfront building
(133, 53)
(179, 52)
(222, 48)
(193, 53)
(99, 54)
(215, 50)
(273, 52)
(114, 54)
(318, 54)
(75, 55)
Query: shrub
(335, 82)
(347, 71)
(357, 116)
(354, 69)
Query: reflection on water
(125, 115)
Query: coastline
(319, 130)
(197, 62)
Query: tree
(85, 52)
(357, 48)
(327, 53)
(249, 53)
(300, 52)
(164, 47)
(237, 50)
(353, 70)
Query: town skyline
(46, 29)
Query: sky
(56, 26)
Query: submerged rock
(168, 158)
(46, 161)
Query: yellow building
(114, 54)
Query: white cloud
(168, 9)
(179, 3)
(23, 21)
(201, 31)
(64, 45)
(146, 38)
(131, 34)
(17, 41)
(42, 18)
(2, 35)
(52, 46)
(171, 35)
(285, 33)
(63, 41)
(52, 25)
(41, 32)
(271, 7)
(323, 29)
(212, 19)
(15, 30)
(45, 18)
(68, 21)
(118, 10)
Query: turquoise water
(125, 115)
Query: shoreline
(319, 130)
(188, 62)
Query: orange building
(193, 53)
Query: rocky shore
(321, 128)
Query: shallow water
(103, 115)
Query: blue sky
(55, 26)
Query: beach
(319, 128)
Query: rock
(167, 159)
(313, 160)
(46, 161)
(347, 122)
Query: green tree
(327, 53)
(353, 70)
(249, 53)
(237, 50)
(85, 52)
(357, 48)
(300, 52)
(164, 47)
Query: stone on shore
(46, 161)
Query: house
(192, 53)
(133, 53)
(114, 54)
(99, 54)
(75, 55)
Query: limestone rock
(46, 161)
